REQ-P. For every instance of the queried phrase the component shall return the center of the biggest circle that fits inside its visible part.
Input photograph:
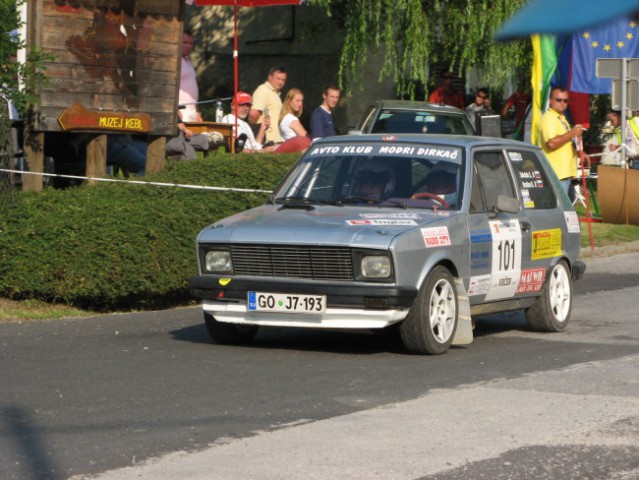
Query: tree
(415, 34)
(31, 73)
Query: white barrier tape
(138, 182)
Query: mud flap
(464, 333)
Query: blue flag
(614, 40)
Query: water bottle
(219, 112)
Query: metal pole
(624, 108)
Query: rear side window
(536, 190)
(490, 179)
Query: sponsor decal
(413, 216)
(506, 258)
(528, 202)
(480, 236)
(387, 222)
(479, 285)
(450, 153)
(480, 259)
(572, 222)
(515, 156)
(546, 244)
(531, 280)
(435, 236)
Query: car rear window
(402, 121)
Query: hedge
(114, 246)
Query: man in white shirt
(252, 143)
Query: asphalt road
(148, 396)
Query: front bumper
(369, 295)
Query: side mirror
(506, 204)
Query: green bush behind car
(114, 246)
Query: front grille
(316, 263)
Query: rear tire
(431, 323)
(551, 311)
(229, 333)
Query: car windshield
(376, 174)
(412, 121)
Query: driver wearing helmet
(373, 180)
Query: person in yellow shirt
(558, 139)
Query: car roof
(415, 105)
(464, 141)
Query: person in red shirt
(446, 93)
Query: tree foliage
(414, 34)
(29, 74)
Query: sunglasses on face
(484, 97)
(565, 100)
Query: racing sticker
(479, 285)
(572, 222)
(531, 280)
(435, 236)
(386, 222)
(414, 216)
(546, 244)
(528, 202)
(506, 258)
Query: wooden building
(116, 69)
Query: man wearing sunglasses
(481, 105)
(558, 140)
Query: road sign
(612, 67)
(632, 94)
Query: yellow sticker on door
(546, 243)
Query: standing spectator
(610, 154)
(446, 93)
(480, 105)
(558, 140)
(322, 118)
(266, 100)
(517, 103)
(189, 92)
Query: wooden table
(225, 129)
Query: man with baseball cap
(254, 143)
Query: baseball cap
(242, 97)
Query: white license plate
(285, 302)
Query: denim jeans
(127, 152)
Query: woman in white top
(289, 121)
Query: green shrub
(113, 246)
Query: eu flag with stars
(615, 40)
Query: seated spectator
(127, 153)
(249, 142)
(289, 121)
(186, 144)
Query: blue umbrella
(564, 16)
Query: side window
(536, 190)
(477, 202)
(492, 178)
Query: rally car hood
(363, 226)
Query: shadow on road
(35, 460)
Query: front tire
(431, 323)
(551, 311)
(229, 333)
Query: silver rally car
(409, 232)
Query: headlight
(376, 266)
(218, 261)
